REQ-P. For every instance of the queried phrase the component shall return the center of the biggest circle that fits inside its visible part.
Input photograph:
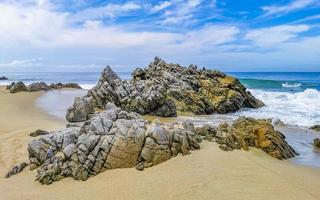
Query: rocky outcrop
(249, 132)
(162, 89)
(65, 85)
(114, 138)
(17, 87)
(39, 86)
(16, 169)
(316, 128)
(38, 132)
(110, 139)
(2, 78)
(316, 142)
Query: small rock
(316, 142)
(38, 132)
(316, 128)
(16, 169)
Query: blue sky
(230, 35)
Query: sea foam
(297, 109)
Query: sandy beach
(208, 173)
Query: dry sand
(205, 174)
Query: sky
(229, 35)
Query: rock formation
(316, 128)
(162, 89)
(316, 142)
(114, 138)
(39, 86)
(108, 140)
(17, 87)
(2, 78)
(249, 132)
(66, 85)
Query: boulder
(316, 128)
(249, 132)
(2, 78)
(163, 89)
(80, 110)
(17, 87)
(38, 132)
(316, 142)
(111, 139)
(65, 85)
(38, 86)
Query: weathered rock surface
(17, 87)
(80, 110)
(39, 86)
(316, 128)
(249, 132)
(3, 78)
(111, 139)
(38, 132)
(316, 142)
(162, 89)
(65, 85)
(16, 169)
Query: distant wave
(293, 85)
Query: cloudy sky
(231, 35)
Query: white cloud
(110, 11)
(161, 6)
(36, 62)
(182, 12)
(274, 35)
(283, 9)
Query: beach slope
(205, 174)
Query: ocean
(293, 98)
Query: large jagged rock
(110, 139)
(17, 87)
(162, 89)
(249, 132)
(80, 110)
(3, 78)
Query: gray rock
(16, 169)
(17, 87)
(162, 89)
(38, 86)
(111, 139)
(316, 142)
(80, 110)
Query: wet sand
(208, 173)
